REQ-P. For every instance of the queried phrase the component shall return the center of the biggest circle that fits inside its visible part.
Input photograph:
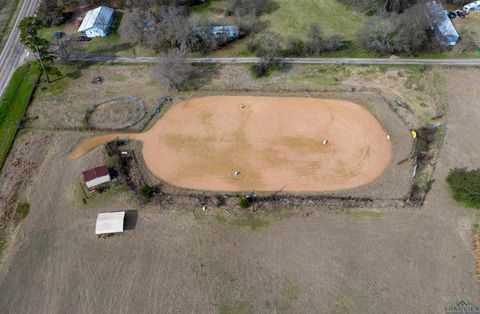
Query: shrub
(260, 69)
(146, 193)
(465, 186)
(243, 202)
(3, 245)
(23, 209)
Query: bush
(3, 245)
(260, 69)
(465, 186)
(23, 209)
(243, 202)
(146, 193)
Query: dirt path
(263, 143)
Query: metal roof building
(96, 176)
(109, 223)
(442, 24)
(228, 32)
(97, 22)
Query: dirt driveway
(177, 261)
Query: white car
(474, 6)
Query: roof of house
(110, 222)
(231, 31)
(94, 173)
(98, 17)
(443, 23)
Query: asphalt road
(13, 51)
(364, 61)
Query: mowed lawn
(295, 17)
(14, 102)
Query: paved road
(365, 61)
(12, 52)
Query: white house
(109, 223)
(97, 22)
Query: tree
(267, 46)
(50, 13)
(29, 27)
(465, 186)
(404, 33)
(379, 35)
(174, 68)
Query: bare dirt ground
(271, 143)
(181, 260)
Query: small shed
(442, 24)
(97, 22)
(96, 177)
(108, 223)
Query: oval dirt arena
(239, 143)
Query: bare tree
(174, 69)
(403, 33)
(267, 46)
(379, 35)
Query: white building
(110, 223)
(97, 22)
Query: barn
(97, 22)
(96, 177)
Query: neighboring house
(108, 223)
(229, 32)
(96, 177)
(442, 24)
(97, 22)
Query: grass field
(295, 17)
(14, 103)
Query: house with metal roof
(96, 177)
(442, 24)
(228, 32)
(97, 22)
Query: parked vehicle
(58, 35)
(460, 14)
(452, 15)
(474, 6)
(83, 38)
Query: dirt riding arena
(235, 143)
